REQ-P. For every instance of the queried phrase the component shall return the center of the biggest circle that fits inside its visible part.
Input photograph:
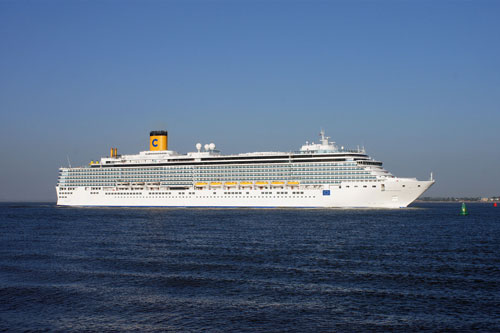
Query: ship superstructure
(318, 175)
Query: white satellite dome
(207, 146)
(212, 146)
(198, 146)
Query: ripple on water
(423, 268)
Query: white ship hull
(391, 193)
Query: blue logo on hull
(326, 192)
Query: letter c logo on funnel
(155, 142)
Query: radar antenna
(324, 139)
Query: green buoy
(464, 211)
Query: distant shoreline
(457, 201)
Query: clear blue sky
(416, 82)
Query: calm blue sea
(249, 270)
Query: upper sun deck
(325, 147)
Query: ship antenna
(324, 141)
(69, 163)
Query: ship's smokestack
(158, 140)
(113, 152)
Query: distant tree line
(450, 199)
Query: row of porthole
(347, 186)
(209, 168)
(219, 196)
(219, 174)
(117, 193)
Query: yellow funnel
(158, 140)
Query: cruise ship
(321, 175)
